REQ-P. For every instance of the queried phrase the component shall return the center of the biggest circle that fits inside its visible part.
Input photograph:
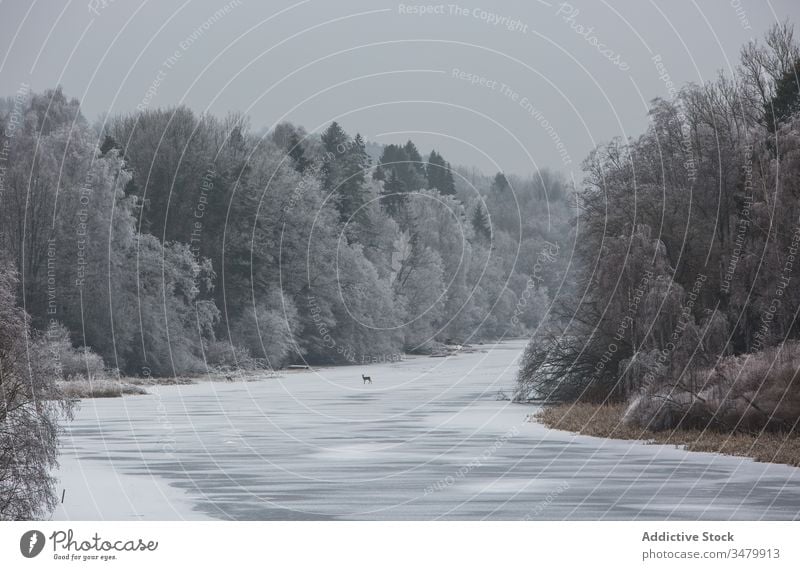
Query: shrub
(751, 392)
(226, 356)
(265, 331)
(73, 362)
(98, 387)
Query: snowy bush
(226, 356)
(750, 392)
(74, 363)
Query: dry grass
(108, 386)
(606, 421)
(98, 388)
(158, 380)
(210, 376)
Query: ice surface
(427, 440)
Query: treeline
(686, 300)
(166, 243)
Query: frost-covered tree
(683, 242)
(31, 409)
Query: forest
(686, 300)
(165, 244)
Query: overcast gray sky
(554, 79)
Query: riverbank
(427, 440)
(110, 386)
(116, 387)
(606, 421)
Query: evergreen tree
(433, 169)
(360, 156)
(439, 174)
(406, 167)
(448, 183)
(343, 172)
(108, 144)
(481, 223)
(353, 192)
(394, 190)
(786, 100)
(413, 155)
(298, 154)
(500, 183)
(334, 142)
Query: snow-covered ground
(427, 440)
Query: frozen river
(427, 440)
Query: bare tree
(30, 409)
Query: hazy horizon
(545, 94)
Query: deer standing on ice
(366, 379)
